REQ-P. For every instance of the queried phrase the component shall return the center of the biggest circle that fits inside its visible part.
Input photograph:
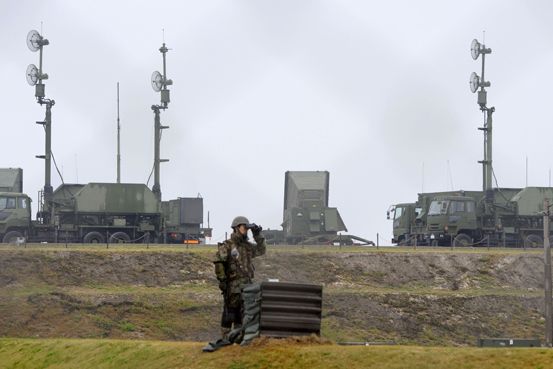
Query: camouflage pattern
(237, 271)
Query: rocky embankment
(435, 298)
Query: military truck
(96, 212)
(307, 217)
(513, 218)
(410, 219)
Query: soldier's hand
(256, 230)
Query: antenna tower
(35, 42)
(476, 82)
(159, 83)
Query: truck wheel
(119, 237)
(94, 237)
(434, 243)
(462, 240)
(11, 237)
(533, 241)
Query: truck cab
(404, 217)
(15, 215)
(451, 218)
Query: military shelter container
(11, 180)
(530, 200)
(184, 210)
(120, 198)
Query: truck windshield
(399, 212)
(3, 201)
(438, 207)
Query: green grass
(65, 353)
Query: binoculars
(255, 228)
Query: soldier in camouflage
(233, 267)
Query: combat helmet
(239, 220)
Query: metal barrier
(290, 309)
(509, 342)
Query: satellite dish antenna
(475, 49)
(474, 82)
(32, 74)
(157, 81)
(33, 38)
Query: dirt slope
(437, 298)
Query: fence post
(148, 240)
(186, 241)
(415, 242)
(377, 241)
(302, 241)
(65, 238)
(107, 239)
(451, 241)
(488, 242)
(340, 240)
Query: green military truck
(410, 219)
(100, 212)
(513, 219)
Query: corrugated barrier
(290, 309)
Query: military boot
(225, 332)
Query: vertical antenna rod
(118, 140)
(547, 262)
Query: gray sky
(371, 91)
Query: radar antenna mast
(35, 42)
(159, 83)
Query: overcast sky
(374, 92)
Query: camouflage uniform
(232, 273)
